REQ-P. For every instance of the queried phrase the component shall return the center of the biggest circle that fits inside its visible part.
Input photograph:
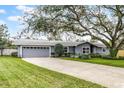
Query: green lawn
(116, 63)
(15, 72)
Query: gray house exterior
(39, 48)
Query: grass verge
(16, 73)
(109, 62)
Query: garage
(28, 52)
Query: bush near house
(59, 50)
(121, 58)
(84, 56)
(112, 58)
(68, 54)
(109, 62)
(89, 56)
(95, 55)
(108, 57)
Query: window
(86, 50)
(47, 47)
(65, 49)
(28, 47)
(35, 47)
(31, 47)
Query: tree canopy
(3, 37)
(101, 23)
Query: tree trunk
(113, 52)
(1, 51)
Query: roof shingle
(51, 43)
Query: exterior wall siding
(71, 49)
(19, 51)
(100, 50)
(52, 49)
(78, 49)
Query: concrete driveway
(105, 75)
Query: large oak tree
(102, 23)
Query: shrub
(69, 54)
(95, 55)
(113, 52)
(59, 49)
(72, 55)
(14, 54)
(121, 58)
(83, 56)
(112, 58)
(107, 57)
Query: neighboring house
(38, 48)
(121, 52)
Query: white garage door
(35, 51)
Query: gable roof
(51, 43)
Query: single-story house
(39, 48)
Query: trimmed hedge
(113, 58)
(68, 54)
(95, 55)
(84, 56)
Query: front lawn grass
(16, 73)
(109, 62)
